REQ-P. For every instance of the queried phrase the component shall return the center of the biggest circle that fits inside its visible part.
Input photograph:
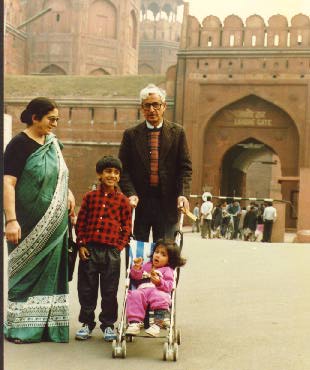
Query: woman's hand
(12, 227)
(13, 232)
(71, 207)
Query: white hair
(152, 89)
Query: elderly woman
(36, 202)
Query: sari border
(38, 312)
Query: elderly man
(157, 168)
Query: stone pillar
(303, 226)
(278, 229)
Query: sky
(244, 8)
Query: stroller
(172, 334)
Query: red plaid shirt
(104, 218)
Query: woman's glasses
(53, 119)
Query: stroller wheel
(123, 351)
(171, 352)
(166, 352)
(178, 337)
(114, 352)
(129, 338)
(175, 352)
(119, 350)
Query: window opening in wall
(57, 17)
(209, 41)
(220, 64)
(197, 64)
(231, 40)
(70, 116)
(276, 40)
(287, 63)
(115, 117)
(264, 64)
(92, 114)
(241, 64)
(253, 40)
(299, 39)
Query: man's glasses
(53, 119)
(155, 105)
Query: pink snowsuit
(157, 297)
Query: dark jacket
(175, 166)
(217, 217)
(250, 220)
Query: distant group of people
(154, 173)
(231, 221)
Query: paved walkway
(240, 306)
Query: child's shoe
(161, 318)
(109, 334)
(83, 333)
(133, 328)
(153, 330)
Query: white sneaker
(83, 333)
(133, 328)
(153, 330)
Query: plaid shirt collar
(106, 193)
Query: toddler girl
(155, 283)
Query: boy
(103, 229)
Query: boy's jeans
(103, 265)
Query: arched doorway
(249, 133)
(250, 169)
(53, 69)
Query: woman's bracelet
(11, 220)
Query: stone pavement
(240, 306)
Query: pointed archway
(229, 141)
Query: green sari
(38, 283)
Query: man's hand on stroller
(183, 204)
(84, 253)
(133, 200)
